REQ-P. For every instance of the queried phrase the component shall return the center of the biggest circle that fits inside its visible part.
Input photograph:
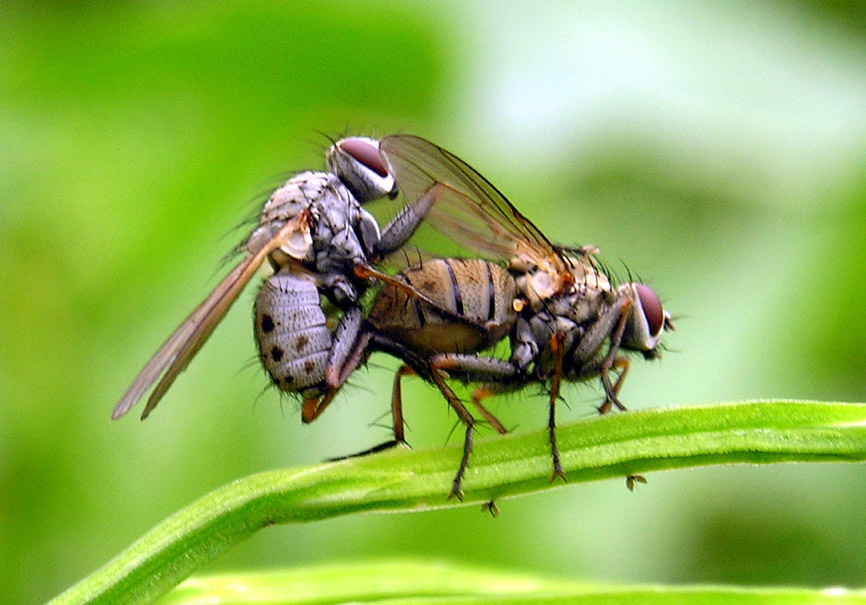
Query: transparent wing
(176, 352)
(467, 208)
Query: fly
(314, 232)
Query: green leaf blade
(615, 445)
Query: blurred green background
(717, 151)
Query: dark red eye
(365, 153)
(652, 308)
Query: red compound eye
(365, 153)
(652, 308)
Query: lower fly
(580, 335)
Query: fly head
(356, 161)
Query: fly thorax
(587, 278)
(535, 286)
(541, 284)
(337, 212)
(305, 192)
(339, 290)
(295, 195)
(337, 236)
(578, 307)
(524, 344)
(542, 326)
(338, 255)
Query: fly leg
(612, 324)
(622, 364)
(347, 350)
(594, 369)
(397, 403)
(373, 450)
(469, 368)
(314, 406)
(610, 361)
(402, 226)
(473, 368)
(556, 344)
(345, 339)
(477, 396)
(632, 480)
(439, 380)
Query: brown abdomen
(472, 288)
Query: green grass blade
(404, 582)
(611, 446)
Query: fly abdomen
(293, 338)
(481, 291)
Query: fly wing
(176, 352)
(467, 208)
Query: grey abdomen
(293, 338)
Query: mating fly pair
(554, 304)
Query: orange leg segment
(438, 378)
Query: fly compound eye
(356, 161)
(652, 308)
(365, 152)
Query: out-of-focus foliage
(717, 151)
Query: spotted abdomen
(294, 340)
